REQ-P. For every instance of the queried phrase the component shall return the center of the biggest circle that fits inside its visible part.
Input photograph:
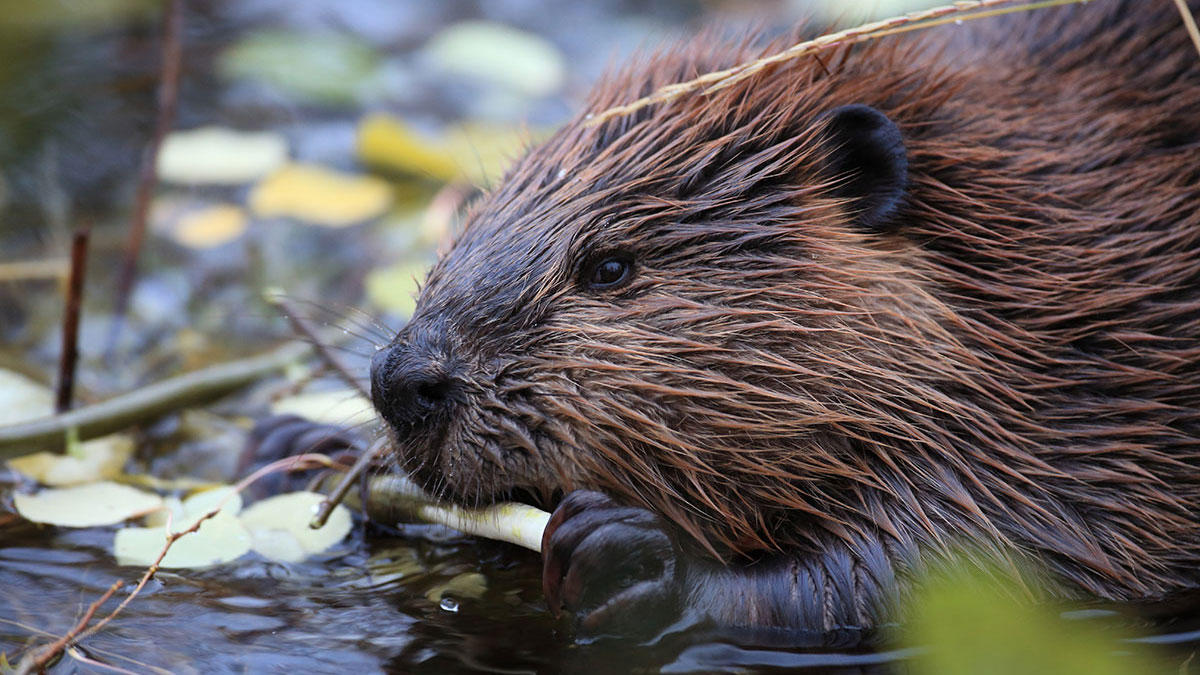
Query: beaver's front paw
(616, 567)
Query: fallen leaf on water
(320, 196)
(342, 407)
(210, 227)
(219, 539)
(394, 288)
(465, 585)
(477, 153)
(91, 461)
(271, 519)
(91, 505)
(21, 400)
(514, 59)
(321, 67)
(220, 156)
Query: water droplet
(958, 22)
(449, 604)
(588, 116)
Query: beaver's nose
(409, 384)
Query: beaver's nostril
(433, 391)
(408, 384)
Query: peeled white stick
(391, 498)
(515, 523)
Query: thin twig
(168, 98)
(339, 491)
(69, 359)
(303, 327)
(149, 402)
(38, 662)
(936, 16)
(82, 631)
(1189, 22)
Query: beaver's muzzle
(411, 386)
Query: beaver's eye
(610, 272)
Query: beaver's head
(704, 308)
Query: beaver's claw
(615, 567)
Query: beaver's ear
(866, 155)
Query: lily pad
(320, 196)
(290, 514)
(92, 505)
(220, 156)
(219, 539)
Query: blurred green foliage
(977, 623)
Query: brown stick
(149, 402)
(168, 97)
(69, 358)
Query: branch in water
(145, 404)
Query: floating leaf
(90, 505)
(210, 227)
(342, 407)
(384, 141)
(477, 153)
(97, 459)
(394, 288)
(219, 156)
(291, 514)
(204, 501)
(499, 54)
(325, 68)
(219, 539)
(466, 585)
(320, 196)
(22, 399)
(277, 545)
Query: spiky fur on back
(1014, 361)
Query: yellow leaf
(320, 196)
(99, 458)
(477, 153)
(91, 505)
(211, 227)
(290, 514)
(386, 142)
(219, 539)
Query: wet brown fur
(1013, 361)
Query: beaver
(768, 351)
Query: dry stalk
(936, 16)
